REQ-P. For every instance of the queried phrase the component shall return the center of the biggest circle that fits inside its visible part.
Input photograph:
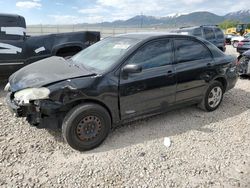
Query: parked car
(228, 38)
(212, 33)
(235, 40)
(17, 49)
(243, 46)
(244, 63)
(120, 79)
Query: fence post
(41, 28)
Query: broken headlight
(7, 87)
(26, 95)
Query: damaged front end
(35, 105)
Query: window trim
(189, 39)
(147, 43)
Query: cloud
(125, 9)
(193, 1)
(66, 19)
(94, 10)
(29, 4)
(59, 4)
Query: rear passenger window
(154, 54)
(197, 32)
(209, 33)
(219, 33)
(189, 50)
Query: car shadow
(175, 122)
(171, 123)
(245, 77)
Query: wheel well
(75, 103)
(223, 82)
(68, 51)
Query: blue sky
(87, 11)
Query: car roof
(148, 35)
(195, 27)
(10, 15)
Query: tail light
(241, 43)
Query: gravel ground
(207, 150)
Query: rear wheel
(213, 97)
(86, 126)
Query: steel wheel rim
(88, 128)
(215, 97)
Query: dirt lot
(208, 150)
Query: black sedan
(120, 79)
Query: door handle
(170, 72)
(209, 64)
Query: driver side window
(153, 54)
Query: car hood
(44, 72)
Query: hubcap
(88, 128)
(214, 97)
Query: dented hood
(44, 72)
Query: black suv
(211, 33)
(120, 79)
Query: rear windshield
(219, 34)
(12, 27)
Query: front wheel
(86, 126)
(213, 97)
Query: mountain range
(177, 20)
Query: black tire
(76, 130)
(205, 105)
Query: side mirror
(132, 69)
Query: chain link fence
(105, 31)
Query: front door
(153, 89)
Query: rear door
(153, 89)
(193, 65)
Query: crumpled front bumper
(13, 108)
(44, 114)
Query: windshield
(104, 54)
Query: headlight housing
(26, 95)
